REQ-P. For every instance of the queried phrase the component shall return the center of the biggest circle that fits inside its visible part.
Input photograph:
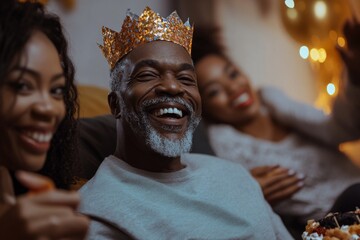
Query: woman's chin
(31, 163)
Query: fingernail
(300, 176)
(291, 172)
(300, 184)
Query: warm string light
(317, 26)
(331, 89)
(328, 69)
(320, 9)
(304, 52)
(290, 3)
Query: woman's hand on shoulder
(43, 213)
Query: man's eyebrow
(186, 66)
(146, 63)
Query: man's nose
(169, 86)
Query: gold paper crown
(148, 27)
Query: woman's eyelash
(234, 74)
(20, 86)
(146, 76)
(58, 90)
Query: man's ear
(113, 100)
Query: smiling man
(159, 103)
(151, 188)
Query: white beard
(167, 147)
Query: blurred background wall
(263, 37)
(83, 21)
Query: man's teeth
(243, 98)
(39, 137)
(163, 111)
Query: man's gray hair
(117, 75)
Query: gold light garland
(317, 26)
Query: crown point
(187, 23)
(147, 27)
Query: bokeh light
(304, 52)
(322, 55)
(341, 41)
(320, 9)
(314, 54)
(331, 89)
(292, 14)
(290, 3)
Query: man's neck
(137, 154)
(149, 162)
